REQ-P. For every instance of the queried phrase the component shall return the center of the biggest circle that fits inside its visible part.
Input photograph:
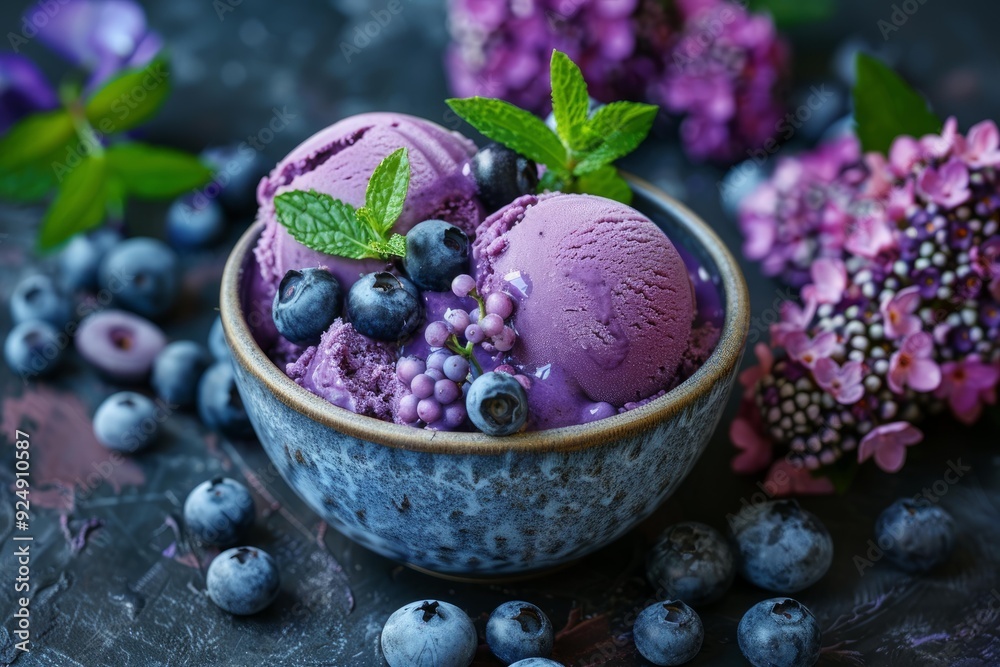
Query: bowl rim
(717, 368)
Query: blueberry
(436, 252)
(176, 372)
(782, 547)
(37, 298)
(80, 259)
(306, 304)
(384, 307)
(195, 221)
(668, 633)
(121, 345)
(691, 562)
(238, 170)
(779, 632)
(536, 662)
(217, 341)
(429, 633)
(243, 580)
(219, 402)
(919, 535)
(497, 404)
(33, 348)
(502, 175)
(127, 422)
(519, 630)
(219, 512)
(142, 275)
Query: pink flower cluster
(900, 312)
(710, 62)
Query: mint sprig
(579, 154)
(886, 107)
(334, 227)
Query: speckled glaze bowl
(468, 505)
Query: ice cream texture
(602, 292)
(604, 303)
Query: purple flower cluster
(904, 323)
(101, 37)
(710, 62)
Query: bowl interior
(722, 298)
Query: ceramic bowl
(470, 505)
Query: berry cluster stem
(466, 350)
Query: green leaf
(386, 191)
(885, 107)
(29, 183)
(515, 128)
(621, 126)
(570, 102)
(130, 99)
(320, 222)
(604, 182)
(793, 12)
(154, 172)
(395, 246)
(80, 204)
(550, 182)
(35, 138)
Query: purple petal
(23, 90)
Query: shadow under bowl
(470, 505)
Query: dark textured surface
(131, 592)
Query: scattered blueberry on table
(779, 632)
(142, 275)
(37, 297)
(536, 662)
(176, 371)
(384, 307)
(126, 422)
(436, 252)
(915, 535)
(306, 304)
(195, 221)
(517, 631)
(668, 633)
(217, 344)
(429, 633)
(692, 562)
(219, 402)
(219, 511)
(33, 348)
(782, 547)
(502, 175)
(243, 580)
(80, 260)
(121, 345)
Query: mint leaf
(620, 127)
(885, 107)
(29, 183)
(35, 138)
(787, 13)
(604, 182)
(80, 204)
(515, 128)
(550, 182)
(154, 172)
(323, 223)
(386, 191)
(395, 246)
(131, 98)
(570, 101)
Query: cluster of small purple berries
(712, 63)
(905, 324)
(437, 389)
(484, 325)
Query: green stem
(482, 304)
(467, 351)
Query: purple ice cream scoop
(602, 292)
(338, 161)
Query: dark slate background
(131, 592)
